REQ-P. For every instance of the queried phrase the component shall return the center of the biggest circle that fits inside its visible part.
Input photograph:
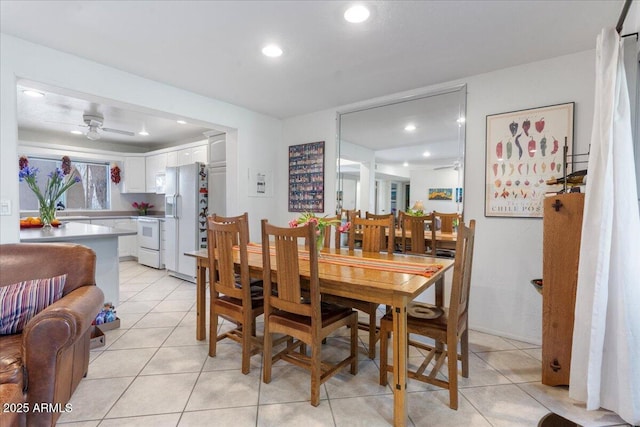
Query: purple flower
(56, 174)
(77, 178)
(27, 172)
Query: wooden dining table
(445, 240)
(390, 279)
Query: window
(91, 193)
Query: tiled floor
(153, 372)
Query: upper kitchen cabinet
(187, 156)
(155, 165)
(134, 176)
(217, 150)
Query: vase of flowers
(321, 223)
(60, 180)
(142, 207)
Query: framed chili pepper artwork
(525, 149)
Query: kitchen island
(103, 240)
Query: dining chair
(332, 230)
(445, 222)
(446, 325)
(232, 296)
(297, 311)
(378, 234)
(230, 220)
(413, 230)
(372, 231)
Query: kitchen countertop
(71, 231)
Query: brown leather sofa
(45, 363)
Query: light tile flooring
(153, 372)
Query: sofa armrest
(51, 332)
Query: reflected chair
(413, 230)
(445, 222)
(231, 294)
(332, 230)
(298, 312)
(446, 325)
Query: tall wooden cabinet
(561, 253)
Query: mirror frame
(461, 88)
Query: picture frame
(440, 194)
(306, 177)
(524, 149)
(260, 183)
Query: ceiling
(213, 48)
(437, 129)
(56, 115)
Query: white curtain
(605, 358)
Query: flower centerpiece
(142, 207)
(321, 223)
(60, 180)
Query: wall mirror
(402, 152)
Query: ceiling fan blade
(122, 132)
(64, 123)
(445, 167)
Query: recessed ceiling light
(272, 51)
(143, 133)
(410, 127)
(76, 132)
(33, 93)
(426, 154)
(356, 14)
(405, 164)
(182, 122)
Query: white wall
(423, 179)
(253, 139)
(508, 251)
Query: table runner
(351, 261)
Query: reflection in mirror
(390, 156)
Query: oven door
(149, 233)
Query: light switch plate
(5, 207)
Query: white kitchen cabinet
(172, 159)
(184, 156)
(134, 177)
(187, 156)
(127, 245)
(155, 164)
(200, 154)
(217, 150)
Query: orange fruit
(55, 222)
(35, 221)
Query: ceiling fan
(94, 124)
(455, 166)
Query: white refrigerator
(186, 209)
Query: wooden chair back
(413, 229)
(287, 242)
(461, 282)
(446, 220)
(377, 234)
(332, 234)
(222, 237)
(232, 219)
(350, 213)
